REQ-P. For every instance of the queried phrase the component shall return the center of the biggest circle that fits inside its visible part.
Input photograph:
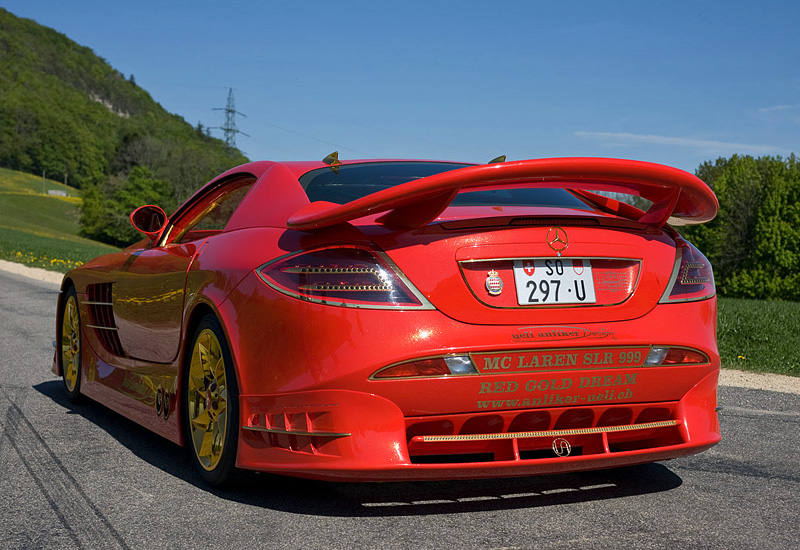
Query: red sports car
(408, 320)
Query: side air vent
(101, 317)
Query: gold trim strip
(550, 433)
(294, 432)
(348, 288)
(88, 303)
(103, 328)
(330, 270)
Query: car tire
(69, 340)
(211, 404)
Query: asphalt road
(84, 477)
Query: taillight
(663, 356)
(692, 276)
(343, 276)
(449, 365)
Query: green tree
(754, 242)
(105, 215)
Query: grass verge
(48, 252)
(759, 335)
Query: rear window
(349, 182)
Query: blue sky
(672, 82)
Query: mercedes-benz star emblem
(557, 239)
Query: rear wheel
(70, 344)
(211, 409)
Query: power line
(229, 127)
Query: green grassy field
(19, 182)
(758, 335)
(40, 230)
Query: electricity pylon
(229, 127)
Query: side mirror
(150, 220)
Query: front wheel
(70, 344)
(211, 404)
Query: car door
(150, 286)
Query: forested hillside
(66, 113)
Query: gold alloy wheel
(207, 399)
(71, 344)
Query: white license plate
(554, 281)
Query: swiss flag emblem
(529, 268)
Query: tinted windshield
(346, 183)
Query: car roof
(277, 186)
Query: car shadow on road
(300, 496)
(447, 497)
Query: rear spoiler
(677, 196)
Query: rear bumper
(354, 436)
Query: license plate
(554, 281)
